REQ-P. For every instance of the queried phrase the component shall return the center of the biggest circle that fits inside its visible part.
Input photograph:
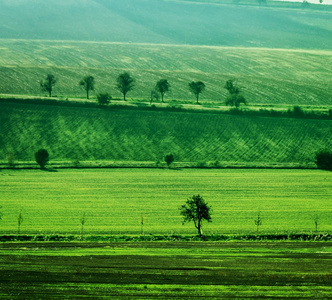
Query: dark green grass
(166, 270)
(73, 134)
(266, 76)
(115, 199)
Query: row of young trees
(126, 83)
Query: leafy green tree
(48, 84)
(196, 88)
(82, 221)
(234, 98)
(196, 210)
(42, 157)
(103, 98)
(162, 86)
(88, 83)
(169, 159)
(324, 159)
(125, 83)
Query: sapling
(142, 224)
(258, 221)
(82, 221)
(19, 222)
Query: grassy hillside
(88, 134)
(172, 22)
(266, 76)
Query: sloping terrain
(171, 22)
(266, 76)
(87, 134)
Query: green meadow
(265, 76)
(166, 270)
(76, 135)
(114, 200)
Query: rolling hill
(95, 134)
(167, 22)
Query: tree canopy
(48, 84)
(163, 86)
(197, 210)
(125, 83)
(196, 88)
(88, 83)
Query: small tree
(162, 86)
(234, 98)
(0, 213)
(82, 221)
(324, 160)
(48, 84)
(88, 83)
(19, 222)
(154, 96)
(169, 159)
(258, 221)
(42, 157)
(125, 83)
(104, 98)
(196, 210)
(196, 88)
(316, 221)
(142, 224)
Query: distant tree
(196, 210)
(305, 4)
(234, 98)
(258, 221)
(42, 157)
(82, 221)
(88, 83)
(103, 98)
(154, 95)
(0, 213)
(316, 220)
(169, 159)
(19, 222)
(196, 88)
(48, 84)
(163, 87)
(125, 83)
(261, 2)
(320, 1)
(324, 159)
(142, 224)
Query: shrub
(169, 159)
(324, 159)
(42, 157)
(104, 98)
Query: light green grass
(266, 76)
(114, 200)
(90, 134)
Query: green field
(266, 76)
(78, 134)
(166, 270)
(115, 199)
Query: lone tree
(258, 221)
(19, 222)
(234, 98)
(162, 86)
(196, 210)
(324, 160)
(42, 157)
(88, 83)
(103, 98)
(125, 83)
(48, 84)
(169, 159)
(196, 88)
(82, 221)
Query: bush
(324, 160)
(42, 157)
(104, 98)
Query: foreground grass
(114, 200)
(166, 270)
